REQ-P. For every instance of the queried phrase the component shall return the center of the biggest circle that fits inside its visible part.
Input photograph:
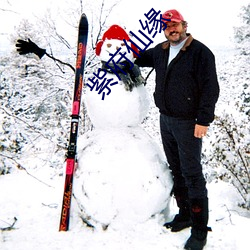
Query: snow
(37, 208)
(119, 109)
(122, 178)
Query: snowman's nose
(117, 47)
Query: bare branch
(57, 60)
(19, 166)
(8, 11)
(10, 227)
(102, 21)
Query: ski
(71, 152)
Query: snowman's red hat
(114, 32)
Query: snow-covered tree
(34, 104)
(242, 33)
(230, 154)
(36, 95)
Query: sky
(211, 21)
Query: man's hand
(24, 47)
(200, 131)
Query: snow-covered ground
(37, 208)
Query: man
(186, 93)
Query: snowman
(122, 178)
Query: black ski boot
(197, 240)
(181, 220)
(199, 215)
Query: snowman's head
(112, 40)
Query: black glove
(24, 47)
(136, 76)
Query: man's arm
(208, 87)
(145, 59)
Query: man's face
(175, 32)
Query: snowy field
(37, 208)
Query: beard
(176, 37)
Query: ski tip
(83, 20)
(83, 16)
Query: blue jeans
(183, 152)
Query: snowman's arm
(57, 60)
(25, 47)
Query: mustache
(173, 32)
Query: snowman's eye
(109, 45)
(122, 44)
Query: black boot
(199, 215)
(182, 220)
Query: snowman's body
(119, 109)
(122, 177)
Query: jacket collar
(166, 44)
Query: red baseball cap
(173, 15)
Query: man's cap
(173, 15)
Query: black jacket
(188, 87)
